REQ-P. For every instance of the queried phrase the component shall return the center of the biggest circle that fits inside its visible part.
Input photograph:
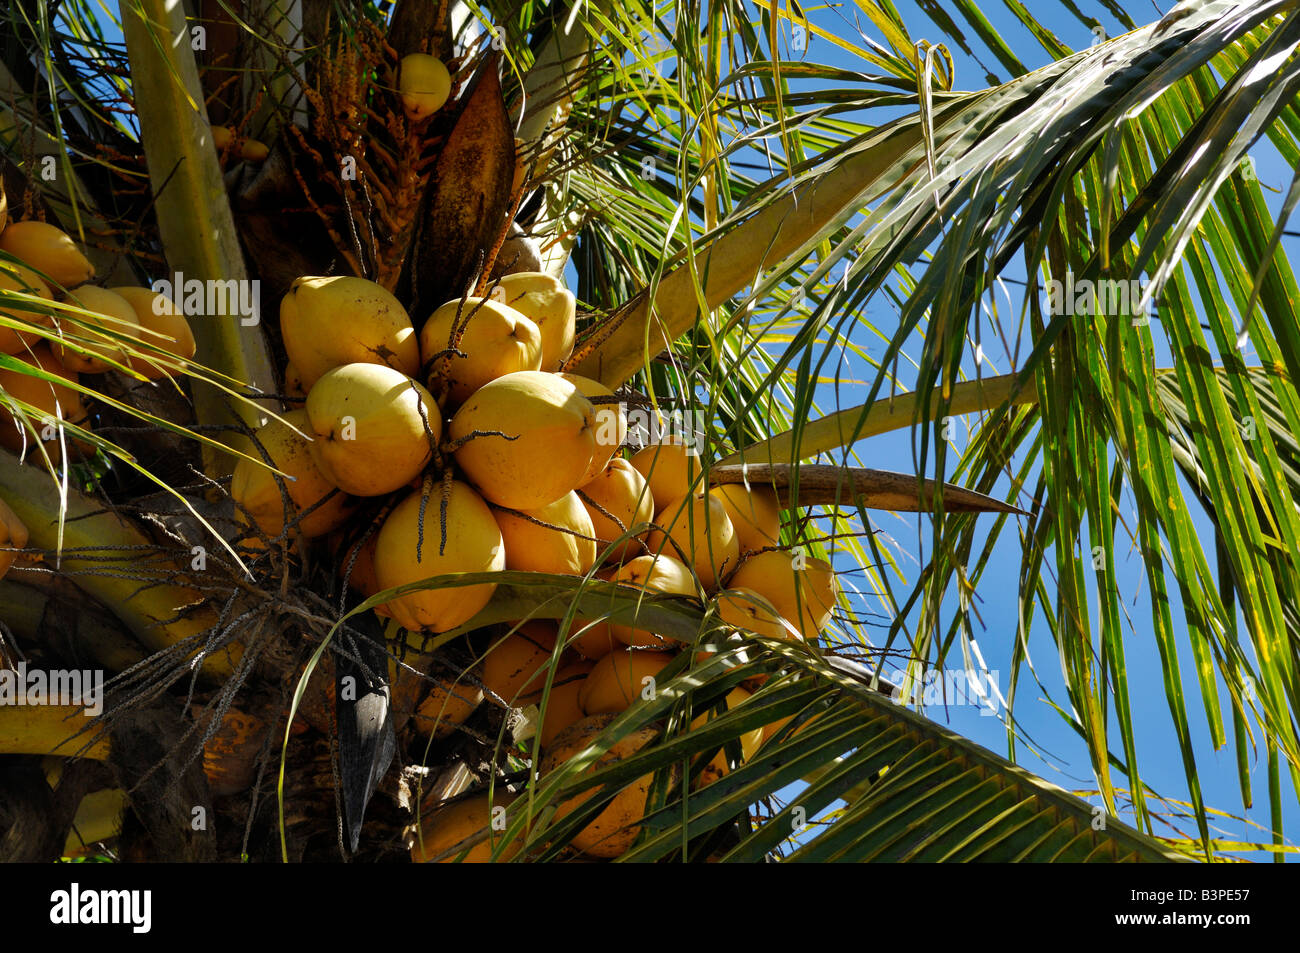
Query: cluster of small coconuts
(496, 460)
(50, 267)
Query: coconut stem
(424, 422)
(454, 445)
(425, 491)
(542, 523)
(442, 509)
(603, 512)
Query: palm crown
(730, 200)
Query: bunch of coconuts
(45, 265)
(498, 460)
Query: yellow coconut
(549, 304)
(249, 149)
(611, 422)
(653, 574)
(13, 536)
(698, 528)
(109, 314)
(49, 250)
(620, 679)
(495, 339)
(750, 742)
(473, 544)
(801, 589)
(441, 830)
(615, 828)
(424, 85)
(669, 468)
(329, 322)
(20, 278)
(447, 705)
(161, 325)
(375, 428)
(515, 667)
(52, 402)
(755, 514)
(618, 491)
(256, 488)
(597, 638)
(536, 437)
(562, 706)
(247, 543)
(746, 609)
(728, 641)
(569, 548)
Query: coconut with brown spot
(802, 589)
(562, 706)
(670, 468)
(515, 667)
(698, 529)
(550, 305)
(329, 322)
(755, 513)
(447, 706)
(611, 422)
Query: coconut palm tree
(734, 196)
